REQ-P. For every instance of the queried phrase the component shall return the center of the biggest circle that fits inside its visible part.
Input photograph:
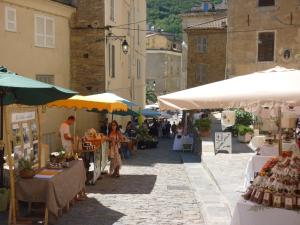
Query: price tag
(289, 201)
(257, 194)
(267, 196)
(298, 201)
(277, 200)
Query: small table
(56, 192)
(248, 213)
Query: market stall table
(56, 191)
(248, 213)
(254, 165)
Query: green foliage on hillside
(164, 14)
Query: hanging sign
(23, 116)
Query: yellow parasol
(90, 102)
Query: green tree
(165, 14)
(150, 97)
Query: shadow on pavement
(126, 184)
(94, 213)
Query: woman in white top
(177, 145)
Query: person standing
(105, 127)
(115, 137)
(65, 135)
(174, 129)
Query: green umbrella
(15, 89)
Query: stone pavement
(153, 189)
(218, 180)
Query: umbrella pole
(11, 173)
(39, 114)
(1, 144)
(280, 131)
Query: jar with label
(258, 197)
(248, 193)
(267, 199)
(277, 200)
(290, 201)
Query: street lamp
(125, 46)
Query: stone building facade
(162, 41)
(31, 49)
(198, 15)
(163, 71)
(206, 53)
(163, 66)
(98, 64)
(262, 34)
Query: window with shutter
(113, 62)
(44, 31)
(266, 46)
(202, 44)
(262, 3)
(129, 23)
(10, 19)
(49, 79)
(138, 69)
(112, 10)
(138, 34)
(201, 72)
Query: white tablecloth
(272, 150)
(248, 213)
(179, 142)
(254, 165)
(256, 142)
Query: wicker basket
(27, 174)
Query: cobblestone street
(153, 189)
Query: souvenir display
(278, 183)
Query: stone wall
(245, 22)
(88, 47)
(215, 58)
(164, 67)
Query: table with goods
(266, 148)
(94, 151)
(56, 185)
(274, 195)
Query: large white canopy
(277, 86)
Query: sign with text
(23, 116)
(223, 142)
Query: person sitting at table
(115, 137)
(65, 134)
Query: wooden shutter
(266, 46)
(266, 2)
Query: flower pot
(4, 199)
(245, 138)
(27, 174)
(204, 133)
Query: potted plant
(26, 168)
(203, 126)
(244, 133)
(58, 157)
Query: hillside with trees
(165, 14)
